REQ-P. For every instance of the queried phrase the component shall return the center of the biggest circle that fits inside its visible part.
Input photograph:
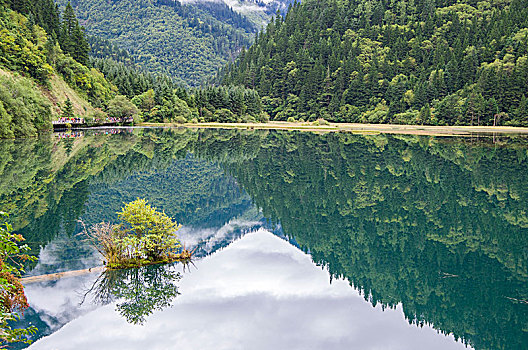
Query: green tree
(121, 108)
(67, 109)
(72, 38)
(224, 115)
(140, 291)
(151, 233)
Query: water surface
(303, 240)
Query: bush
(96, 117)
(207, 115)
(224, 115)
(150, 232)
(377, 115)
(179, 120)
(23, 108)
(246, 118)
(145, 236)
(121, 108)
(138, 118)
(263, 117)
(320, 121)
(291, 120)
(409, 117)
(12, 295)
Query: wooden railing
(64, 121)
(80, 121)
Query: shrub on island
(145, 236)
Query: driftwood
(58, 275)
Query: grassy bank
(360, 128)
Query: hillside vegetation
(424, 62)
(37, 76)
(189, 42)
(42, 74)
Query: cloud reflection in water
(258, 293)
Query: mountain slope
(37, 76)
(425, 62)
(189, 42)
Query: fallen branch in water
(56, 276)
(522, 301)
(448, 275)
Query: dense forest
(423, 62)
(47, 72)
(159, 99)
(188, 42)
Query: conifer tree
(72, 38)
(67, 109)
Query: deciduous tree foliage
(120, 107)
(23, 109)
(12, 297)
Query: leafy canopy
(147, 232)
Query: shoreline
(360, 128)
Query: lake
(302, 240)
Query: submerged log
(58, 275)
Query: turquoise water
(303, 241)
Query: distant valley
(189, 41)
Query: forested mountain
(45, 74)
(258, 11)
(437, 62)
(189, 42)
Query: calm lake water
(303, 241)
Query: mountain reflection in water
(432, 227)
(258, 293)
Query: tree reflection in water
(137, 292)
